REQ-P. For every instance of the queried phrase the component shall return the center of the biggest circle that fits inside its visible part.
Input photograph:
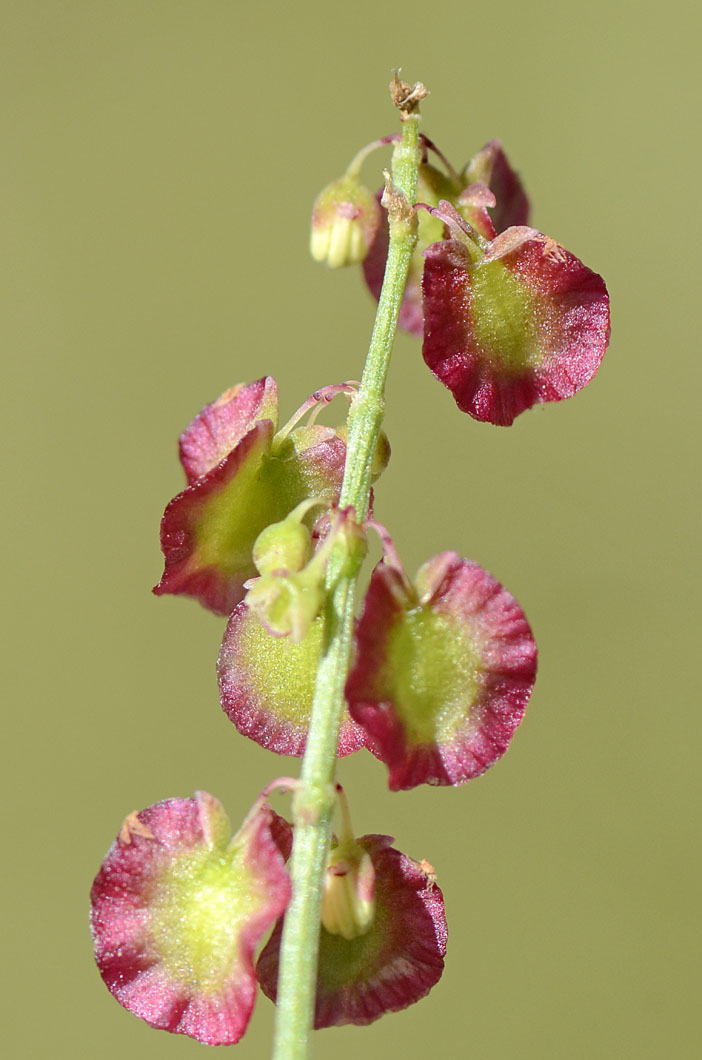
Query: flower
(506, 197)
(345, 219)
(443, 671)
(242, 476)
(178, 910)
(510, 322)
(508, 316)
(383, 935)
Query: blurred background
(160, 162)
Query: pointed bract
(527, 322)
(443, 671)
(178, 911)
(394, 963)
(267, 683)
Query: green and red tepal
(511, 321)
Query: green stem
(314, 802)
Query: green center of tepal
(198, 912)
(263, 491)
(504, 315)
(432, 674)
(281, 672)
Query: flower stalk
(314, 801)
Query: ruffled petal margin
(527, 323)
(220, 426)
(178, 911)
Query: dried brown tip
(406, 97)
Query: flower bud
(348, 900)
(345, 219)
(286, 604)
(286, 545)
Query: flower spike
(178, 911)
(443, 671)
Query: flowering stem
(314, 801)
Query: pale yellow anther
(319, 243)
(348, 905)
(340, 243)
(348, 902)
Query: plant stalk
(314, 802)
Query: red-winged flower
(383, 936)
(443, 671)
(243, 474)
(507, 202)
(509, 317)
(179, 910)
(510, 321)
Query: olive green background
(160, 161)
